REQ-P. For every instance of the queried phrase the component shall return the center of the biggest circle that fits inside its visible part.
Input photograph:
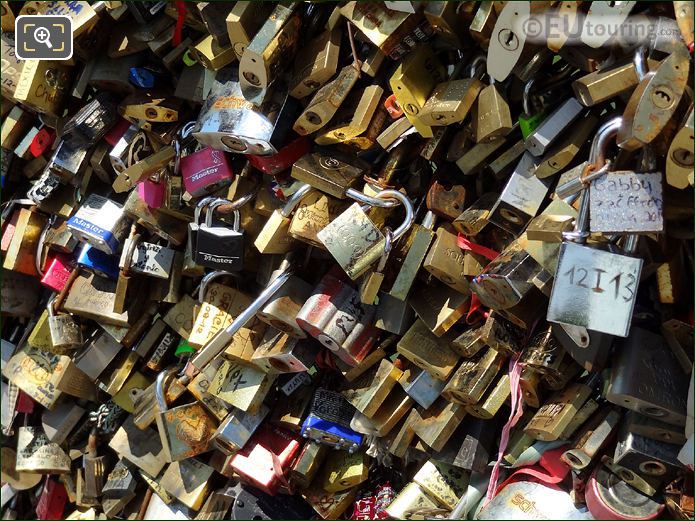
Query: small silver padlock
(65, 332)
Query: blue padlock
(97, 261)
(328, 421)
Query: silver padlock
(149, 259)
(594, 289)
(553, 127)
(65, 332)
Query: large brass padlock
(185, 431)
(353, 239)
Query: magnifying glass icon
(42, 35)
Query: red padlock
(52, 501)
(117, 131)
(266, 457)
(205, 171)
(58, 272)
(42, 141)
(284, 159)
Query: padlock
(148, 259)
(413, 82)
(326, 101)
(262, 60)
(368, 392)
(353, 117)
(282, 309)
(619, 271)
(679, 161)
(205, 171)
(593, 436)
(316, 64)
(445, 260)
(644, 357)
(313, 213)
(473, 377)
(276, 448)
(656, 99)
(243, 22)
(36, 454)
(280, 353)
(43, 86)
(98, 262)
(236, 430)
(607, 494)
(451, 101)
(355, 242)
(229, 122)
(421, 347)
(184, 431)
(491, 116)
(328, 421)
(551, 420)
(65, 332)
(219, 247)
(421, 386)
(119, 488)
(606, 83)
(188, 481)
(334, 315)
(275, 237)
(99, 222)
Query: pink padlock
(205, 171)
(153, 190)
(58, 272)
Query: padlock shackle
(388, 246)
(41, 243)
(132, 244)
(207, 279)
(526, 97)
(49, 305)
(478, 62)
(294, 200)
(217, 203)
(640, 62)
(159, 388)
(363, 198)
(606, 132)
(202, 204)
(221, 340)
(409, 213)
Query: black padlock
(220, 247)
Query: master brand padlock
(219, 247)
(100, 222)
(185, 431)
(65, 332)
(205, 171)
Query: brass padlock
(243, 22)
(422, 348)
(314, 212)
(316, 64)
(445, 260)
(473, 377)
(326, 101)
(43, 85)
(355, 242)
(185, 430)
(413, 82)
(275, 236)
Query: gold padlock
(423, 348)
(185, 431)
(316, 64)
(243, 22)
(43, 86)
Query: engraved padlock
(219, 247)
(65, 332)
(274, 237)
(185, 431)
(353, 239)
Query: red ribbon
(476, 311)
(178, 31)
(467, 245)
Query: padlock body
(205, 171)
(219, 248)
